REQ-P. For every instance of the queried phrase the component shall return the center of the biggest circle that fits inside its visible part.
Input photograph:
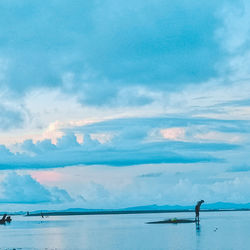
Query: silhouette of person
(197, 210)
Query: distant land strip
(129, 212)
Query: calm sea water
(128, 232)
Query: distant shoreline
(130, 212)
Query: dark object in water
(5, 219)
(172, 221)
(8, 219)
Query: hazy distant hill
(148, 208)
(212, 206)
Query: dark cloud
(124, 124)
(150, 175)
(108, 45)
(105, 155)
(239, 168)
(10, 118)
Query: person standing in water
(197, 210)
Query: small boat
(5, 219)
(172, 221)
(8, 219)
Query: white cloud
(215, 136)
(24, 189)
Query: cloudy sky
(111, 104)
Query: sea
(217, 231)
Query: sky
(112, 104)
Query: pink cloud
(46, 176)
(175, 134)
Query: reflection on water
(217, 231)
(198, 232)
(198, 227)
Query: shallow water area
(217, 231)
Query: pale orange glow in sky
(47, 176)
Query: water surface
(218, 231)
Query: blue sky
(109, 104)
